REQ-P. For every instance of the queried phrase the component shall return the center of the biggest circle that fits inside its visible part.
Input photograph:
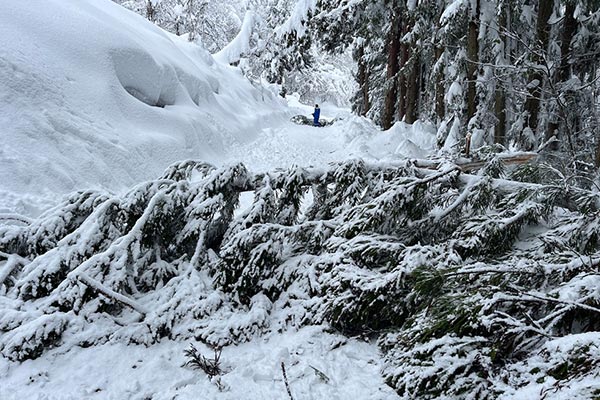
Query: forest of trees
(522, 74)
(519, 73)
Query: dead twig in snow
(285, 379)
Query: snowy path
(286, 144)
(282, 143)
(350, 368)
(115, 107)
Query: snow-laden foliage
(214, 23)
(472, 284)
(523, 74)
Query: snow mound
(400, 141)
(92, 95)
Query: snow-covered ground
(94, 96)
(318, 365)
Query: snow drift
(92, 95)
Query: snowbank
(92, 95)
(400, 141)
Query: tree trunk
(404, 54)
(440, 102)
(412, 91)
(564, 71)
(391, 91)
(473, 60)
(532, 104)
(569, 29)
(362, 77)
(500, 94)
(500, 110)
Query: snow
(296, 22)
(240, 44)
(451, 10)
(253, 371)
(455, 91)
(453, 139)
(555, 349)
(94, 96)
(118, 104)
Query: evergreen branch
(111, 294)
(531, 297)
(210, 367)
(16, 217)
(12, 262)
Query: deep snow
(94, 96)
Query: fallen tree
(466, 280)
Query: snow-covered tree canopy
(475, 284)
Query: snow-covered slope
(94, 95)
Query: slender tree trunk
(500, 110)
(569, 29)
(362, 77)
(402, 78)
(440, 103)
(532, 104)
(412, 91)
(473, 56)
(597, 159)
(404, 54)
(500, 94)
(564, 71)
(393, 67)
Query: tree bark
(404, 54)
(564, 70)
(568, 31)
(393, 68)
(500, 94)
(362, 77)
(500, 111)
(473, 60)
(412, 91)
(440, 102)
(532, 104)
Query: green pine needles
(474, 285)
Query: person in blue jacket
(316, 115)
